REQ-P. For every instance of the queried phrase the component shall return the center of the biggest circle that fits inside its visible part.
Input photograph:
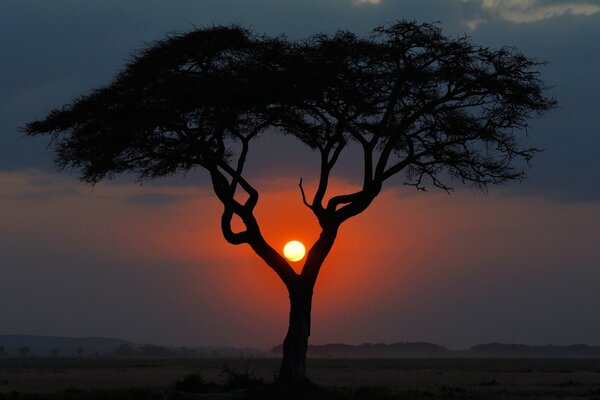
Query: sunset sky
(148, 263)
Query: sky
(519, 264)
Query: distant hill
(41, 345)
(57, 346)
(374, 350)
(430, 350)
(525, 351)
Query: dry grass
(360, 379)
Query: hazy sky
(148, 263)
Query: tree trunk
(292, 375)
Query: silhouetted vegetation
(233, 378)
(240, 377)
(477, 379)
(195, 383)
(413, 101)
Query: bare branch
(235, 238)
(304, 196)
(252, 192)
(240, 164)
(336, 201)
(336, 154)
(251, 235)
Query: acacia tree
(437, 109)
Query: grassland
(73, 378)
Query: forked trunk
(292, 375)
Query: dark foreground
(33, 378)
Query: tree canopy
(413, 100)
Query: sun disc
(294, 251)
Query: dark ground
(105, 378)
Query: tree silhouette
(439, 110)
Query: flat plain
(466, 378)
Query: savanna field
(114, 378)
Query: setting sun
(294, 251)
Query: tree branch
(240, 164)
(335, 155)
(304, 196)
(317, 254)
(252, 235)
(274, 260)
(235, 238)
(252, 192)
(327, 164)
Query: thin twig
(304, 196)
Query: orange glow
(408, 254)
(294, 251)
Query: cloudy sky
(148, 263)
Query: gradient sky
(148, 263)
